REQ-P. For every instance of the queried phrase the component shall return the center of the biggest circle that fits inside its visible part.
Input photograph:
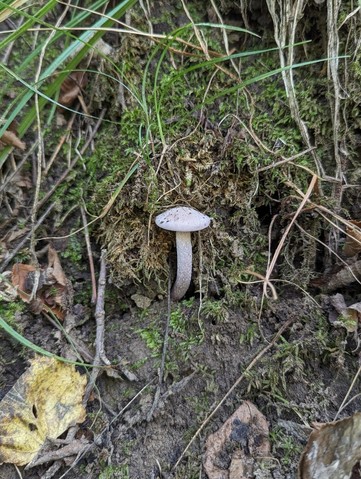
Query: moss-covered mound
(230, 139)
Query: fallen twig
(26, 238)
(60, 144)
(164, 354)
(75, 447)
(285, 234)
(90, 256)
(100, 357)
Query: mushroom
(183, 220)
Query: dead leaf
(44, 402)
(19, 279)
(342, 315)
(10, 138)
(54, 262)
(232, 452)
(72, 87)
(353, 239)
(54, 292)
(332, 450)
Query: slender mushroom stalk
(182, 220)
(184, 265)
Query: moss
(200, 168)
(74, 250)
(10, 311)
(200, 145)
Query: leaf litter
(10, 138)
(232, 451)
(333, 450)
(44, 402)
(53, 291)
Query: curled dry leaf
(10, 138)
(342, 315)
(332, 450)
(232, 451)
(53, 290)
(353, 239)
(72, 87)
(44, 402)
(340, 278)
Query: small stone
(141, 301)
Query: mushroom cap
(182, 218)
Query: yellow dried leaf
(44, 402)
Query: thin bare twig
(25, 159)
(41, 154)
(75, 447)
(164, 354)
(9, 48)
(90, 255)
(285, 234)
(60, 144)
(26, 238)
(284, 160)
(100, 357)
(344, 402)
(44, 200)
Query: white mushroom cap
(182, 218)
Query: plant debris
(72, 87)
(44, 402)
(342, 315)
(333, 450)
(353, 239)
(10, 138)
(232, 452)
(46, 289)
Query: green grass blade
(78, 19)
(29, 23)
(88, 39)
(37, 349)
(258, 78)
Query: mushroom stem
(184, 265)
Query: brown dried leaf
(19, 279)
(353, 239)
(10, 138)
(54, 291)
(71, 88)
(232, 451)
(54, 263)
(332, 450)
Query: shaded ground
(304, 378)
